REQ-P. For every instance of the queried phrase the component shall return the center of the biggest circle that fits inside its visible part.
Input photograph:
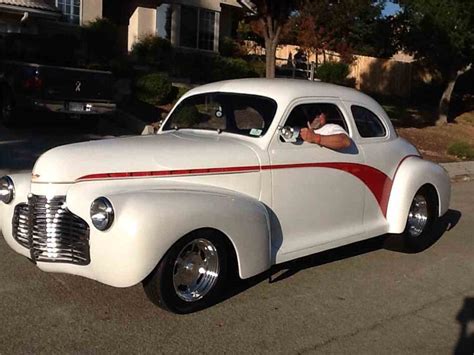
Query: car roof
(284, 90)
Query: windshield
(248, 115)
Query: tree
(441, 33)
(345, 27)
(267, 19)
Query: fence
(370, 74)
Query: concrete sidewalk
(460, 171)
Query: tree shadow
(462, 99)
(285, 270)
(396, 86)
(465, 317)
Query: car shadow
(443, 224)
(285, 270)
(465, 317)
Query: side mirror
(290, 134)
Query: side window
(304, 113)
(368, 124)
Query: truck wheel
(191, 275)
(7, 110)
(421, 217)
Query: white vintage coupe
(222, 188)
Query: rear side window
(367, 122)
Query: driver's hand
(308, 135)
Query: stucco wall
(90, 10)
(142, 23)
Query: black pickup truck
(27, 87)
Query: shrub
(228, 47)
(187, 116)
(102, 40)
(154, 89)
(333, 72)
(201, 67)
(121, 67)
(461, 150)
(153, 50)
(258, 67)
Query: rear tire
(422, 215)
(192, 274)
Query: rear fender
(412, 174)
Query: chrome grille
(21, 225)
(54, 234)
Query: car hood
(162, 154)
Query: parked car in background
(221, 189)
(28, 87)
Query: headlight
(7, 189)
(102, 213)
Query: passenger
(327, 135)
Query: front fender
(411, 175)
(148, 222)
(22, 183)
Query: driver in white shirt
(328, 135)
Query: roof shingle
(32, 4)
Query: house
(26, 16)
(191, 24)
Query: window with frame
(367, 122)
(71, 9)
(197, 28)
(304, 113)
(248, 115)
(164, 17)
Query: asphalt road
(370, 297)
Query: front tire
(191, 275)
(421, 217)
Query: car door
(381, 153)
(317, 193)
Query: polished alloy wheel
(195, 270)
(418, 216)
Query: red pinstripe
(376, 181)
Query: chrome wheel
(195, 270)
(418, 216)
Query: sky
(390, 9)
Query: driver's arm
(332, 141)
